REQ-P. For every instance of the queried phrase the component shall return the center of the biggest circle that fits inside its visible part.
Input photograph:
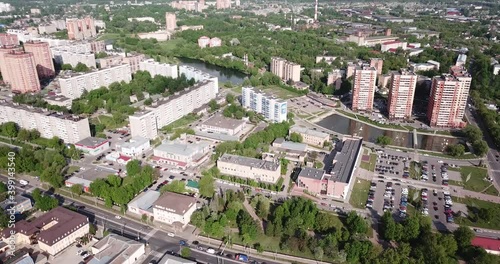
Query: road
(158, 240)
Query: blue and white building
(272, 108)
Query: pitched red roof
(391, 42)
(486, 243)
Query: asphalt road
(158, 240)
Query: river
(346, 126)
(224, 74)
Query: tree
(485, 213)
(186, 252)
(229, 98)
(356, 224)
(92, 229)
(207, 186)
(66, 67)
(472, 133)
(10, 129)
(456, 150)
(23, 135)
(4, 218)
(295, 137)
(133, 168)
(480, 147)
(76, 189)
(318, 253)
(175, 186)
(463, 235)
(213, 105)
(384, 140)
(80, 67)
(144, 217)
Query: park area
(480, 213)
(359, 194)
(475, 179)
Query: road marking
(150, 234)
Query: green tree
(207, 186)
(295, 137)
(356, 224)
(80, 67)
(175, 186)
(485, 214)
(186, 252)
(463, 235)
(229, 98)
(66, 67)
(480, 147)
(76, 189)
(133, 168)
(10, 129)
(318, 253)
(384, 140)
(213, 105)
(4, 218)
(456, 150)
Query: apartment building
(310, 136)
(79, 29)
(198, 76)
(156, 68)
(286, 70)
(53, 231)
(8, 39)
(21, 72)
(223, 4)
(401, 94)
(250, 168)
(363, 89)
(181, 154)
(110, 61)
(47, 29)
(197, 6)
(43, 58)
(69, 128)
(62, 55)
(378, 64)
(174, 209)
(203, 42)
(461, 60)
(134, 61)
(97, 46)
(335, 78)
(273, 109)
(449, 93)
(171, 21)
(169, 109)
(3, 66)
(73, 84)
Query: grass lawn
(414, 170)
(279, 92)
(371, 164)
(109, 36)
(439, 154)
(477, 180)
(473, 206)
(237, 89)
(72, 169)
(108, 122)
(171, 44)
(184, 121)
(359, 193)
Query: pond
(346, 126)
(224, 74)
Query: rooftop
(178, 94)
(170, 259)
(52, 226)
(72, 74)
(145, 200)
(250, 162)
(289, 145)
(345, 160)
(223, 122)
(91, 142)
(311, 173)
(114, 249)
(307, 131)
(134, 142)
(175, 203)
(182, 149)
(45, 112)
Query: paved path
(251, 211)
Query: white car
(211, 251)
(171, 234)
(86, 255)
(118, 217)
(80, 251)
(440, 161)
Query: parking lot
(70, 254)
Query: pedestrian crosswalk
(151, 233)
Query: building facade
(79, 29)
(335, 78)
(310, 136)
(203, 42)
(8, 39)
(250, 168)
(286, 70)
(134, 147)
(21, 72)
(3, 66)
(156, 68)
(378, 64)
(223, 4)
(272, 108)
(401, 94)
(172, 208)
(220, 125)
(73, 84)
(171, 21)
(363, 90)
(62, 56)
(93, 146)
(43, 58)
(181, 154)
(448, 99)
(69, 128)
(134, 60)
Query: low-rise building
(182, 154)
(339, 181)
(250, 168)
(335, 78)
(53, 231)
(92, 145)
(292, 151)
(58, 99)
(222, 125)
(203, 42)
(16, 204)
(171, 259)
(143, 203)
(215, 42)
(156, 68)
(310, 136)
(85, 183)
(134, 147)
(117, 249)
(174, 209)
(193, 186)
(393, 45)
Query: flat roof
(48, 113)
(72, 74)
(114, 249)
(311, 173)
(134, 142)
(307, 131)
(178, 94)
(223, 122)
(145, 200)
(183, 149)
(289, 145)
(345, 160)
(174, 202)
(250, 162)
(91, 142)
